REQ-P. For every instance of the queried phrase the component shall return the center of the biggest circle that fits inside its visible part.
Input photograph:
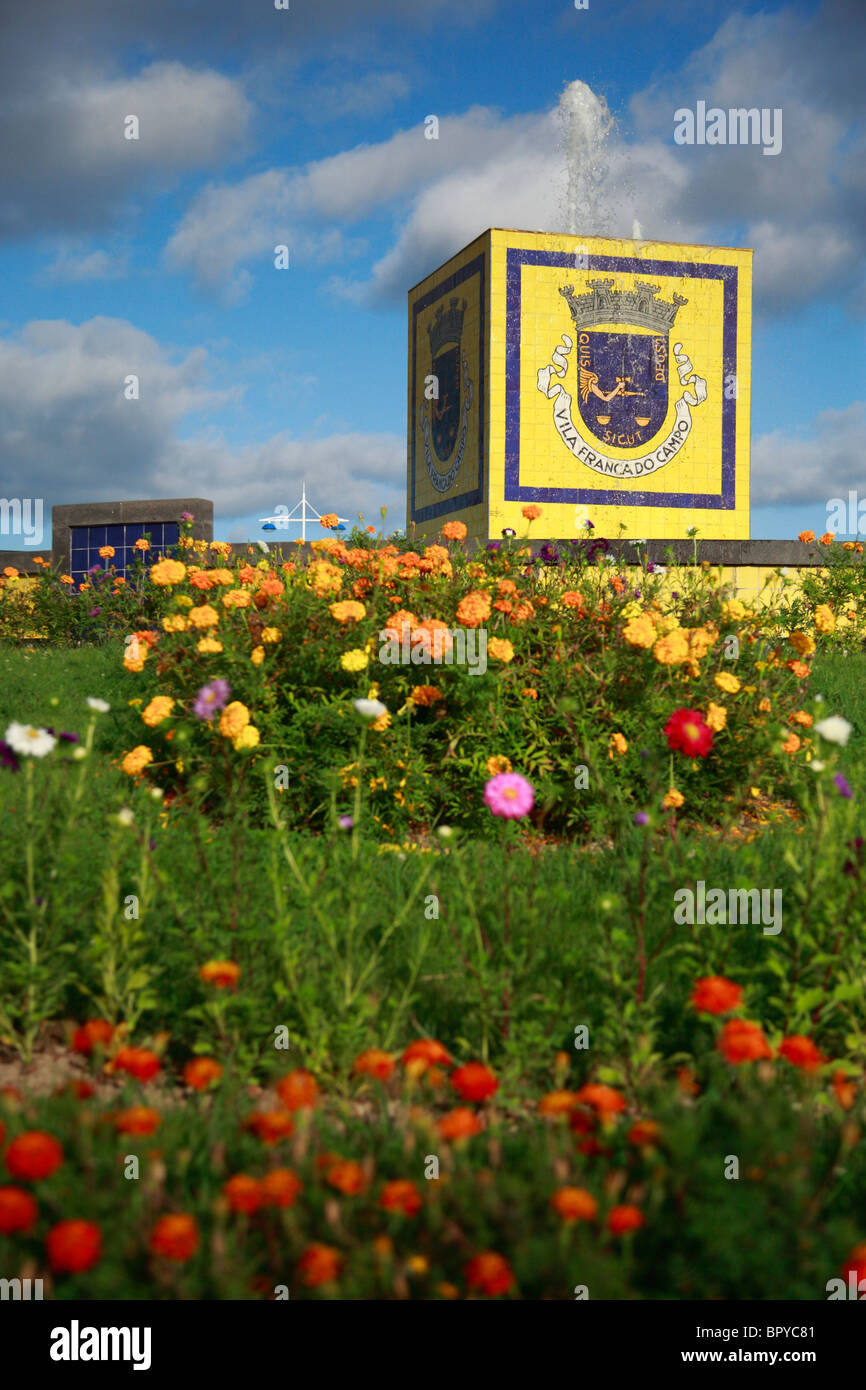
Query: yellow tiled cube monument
(605, 380)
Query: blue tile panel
(85, 543)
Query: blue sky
(306, 127)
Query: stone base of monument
(602, 380)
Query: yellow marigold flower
(66, 579)
(474, 609)
(672, 799)
(208, 645)
(234, 717)
(166, 572)
(734, 610)
(348, 610)
(329, 520)
(381, 724)
(257, 656)
(791, 744)
(159, 709)
(203, 615)
(136, 663)
(824, 619)
(725, 681)
(764, 706)
(672, 649)
(617, 744)
(142, 543)
(801, 717)
(716, 716)
(355, 660)
(271, 634)
(700, 641)
(106, 551)
(802, 643)
(324, 578)
(532, 512)
(639, 632)
(182, 601)
(236, 598)
(454, 531)
(247, 738)
(223, 577)
(175, 622)
(135, 762)
(500, 649)
(498, 763)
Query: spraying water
(586, 123)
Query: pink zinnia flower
(509, 794)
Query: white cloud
(821, 462)
(75, 267)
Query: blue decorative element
(269, 526)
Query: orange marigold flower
(624, 1218)
(799, 668)
(175, 1237)
(461, 1123)
(574, 1204)
(18, 1211)
(500, 649)
(397, 621)
(742, 1041)
(201, 1072)
(474, 609)
(220, 973)
(604, 1099)
(425, 695)
(374, 1063)
(139, 1062)
(347, 1176)
(801, 1052)
(572, 599)
(716, 995)
(243, 1193)
(73, 1246)
(401, 1196)
(203, 616)
(319, 1264)
(497, 763)
(807, 536)
(138, 1119)
(503, 605)
(298, 1090)
(474, 1081)
(643, 1133)
(106, 552)
(200, 579)
(488, 1272)
(687, 1081)
(827, 538)
(329, 520)
(97, 1032)
(270, 1125)
(529, 693)
(845, 1089)
(428, 1051)
(557, 1103)
(454, 531)
(33, 1155)
(532, 512)
(280, 1188)
(347, 610)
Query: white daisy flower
(33, 743)
(834, 729)
(125, 816)
(370, 709)
(101, 706)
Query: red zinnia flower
(490, 1273)
(138, 1119)
(459, 1124)
(801, 1052)
(716, 995)
(742, 1041)
(402, 1196)
(624, 1218)
(298, 1090)
(18, 1210)
(347, 1176)
(423, 1053)
(557, 1103)
(73, 1246)
(574, 1204)
(687, 733)
(474, 1081)
(604, 1099)
(33, 1155)
(270, 1125)
(175, 1237)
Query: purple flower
(637, 593)
(589, 526)
(67, 738)
(8, 758)
(510, 795)
(508, 531)
(94, 612)
(842, 786)
(641, 818)
(493, 545)
(187, 516)
(650, 569)
(548, 554)
(211, 698)
(675, 594)
(345, 822)
(850, 866)
(95, 569)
